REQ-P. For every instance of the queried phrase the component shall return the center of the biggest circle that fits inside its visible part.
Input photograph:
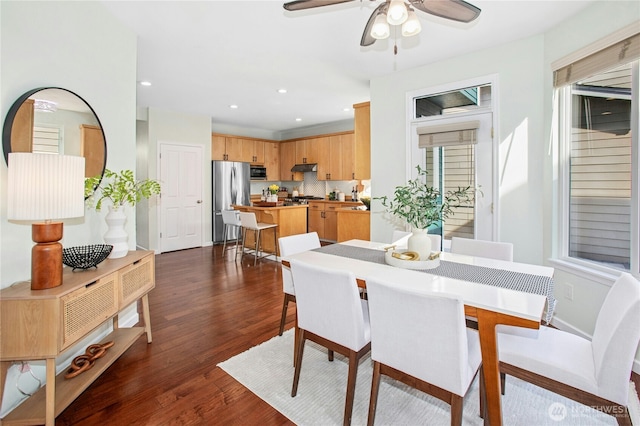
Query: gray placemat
(535, 284)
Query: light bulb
(397, 13)
(412, 25)
(380, 28)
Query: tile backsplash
(312, 186)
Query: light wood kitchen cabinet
(353, 225)
(287, 161)
(226, 148)
(307, 151)
(92, 149)
(323, 217)
(44, 324)
(22, 129)
(272, 160)
(362, 134)
(252, 151)
(336, 157)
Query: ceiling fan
(399, 12)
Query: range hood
(306, 167)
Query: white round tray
(409, 264)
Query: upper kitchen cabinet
(225, 148)
(307, 151)
(362, 133)
(287, 161)
(253, 151)
(272, 160)
(337, 157)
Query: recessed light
(145, 83)
(346, 109)
(234, 106)
(298, 119)
(282, 90)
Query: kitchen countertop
(239, 207)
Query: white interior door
(181, 202)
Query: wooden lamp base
(46, 255)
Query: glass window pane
(600, 168)
(450, 168)
(455, 101)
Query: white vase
(420, 242)
(116, 235)
(273, 198)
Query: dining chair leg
(351, 387)
(503, 383)
(275, 245)
(330, 355)
(483, 396)
(298, 361)
(285, 304)
(456, 410)
(373, 399)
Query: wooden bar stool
(249, 222)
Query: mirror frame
(11, 115)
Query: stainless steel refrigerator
(231, 184)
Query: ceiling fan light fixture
(411, 26)
(380, 29)
(397, 13)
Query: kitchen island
(291, 220)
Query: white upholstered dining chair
(332, 314)
(594, 373)
(289, 245)
(421, 340)
(482, 248)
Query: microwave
(258, 173)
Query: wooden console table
(43, 324)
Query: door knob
(199, 201)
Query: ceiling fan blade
(367, 39)
(308, 4)
(457, 10)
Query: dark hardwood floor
(205, 309)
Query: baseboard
(565, 326)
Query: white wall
(526, 167)
(518, 67)
(81, 47)
(179, 128)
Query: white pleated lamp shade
(45, 186)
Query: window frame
(415, 155)
(561, 258)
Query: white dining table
(490, 305)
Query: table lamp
(45, 187)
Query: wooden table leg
(146, 316)
(50, 409)
(487, 321)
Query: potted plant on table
(421, 206)
(120, 189)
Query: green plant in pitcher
(119, 188)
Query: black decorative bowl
(85, 257)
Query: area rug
(267, 370)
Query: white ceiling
(203, 56)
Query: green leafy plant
(421, 205)
(119, 188)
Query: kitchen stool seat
(231, 220)
(249, 222)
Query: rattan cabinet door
(89, 306)
(136, 280)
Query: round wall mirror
(56, 121)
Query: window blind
(448, 134)
(616, 54)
